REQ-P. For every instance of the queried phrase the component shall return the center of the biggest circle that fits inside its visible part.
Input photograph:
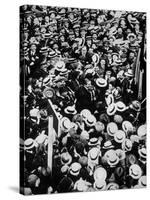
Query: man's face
(131, 56)
(33, 47)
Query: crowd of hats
(83, 62)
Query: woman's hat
(100, 173)
(135, 171)
(111, 110)
(142, 182)
(29, 144)
(112, 186)
(65, 124)
(119, 136)
(129, 73)
(141, 132)
(99, 185)
(101, 82)
(127, 126)
(85, 113)
(70, 110)
(66, 158)
(120, 106)
(112, 128)
(90, 120)
(93, 154)
(75, 168)
(127, 145)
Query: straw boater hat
(70, 110)
(127, 126)
(99, 185)
(48, 92)
(142, 182)
(120, 106)
(94, 142)
(65, 124)
(109, 99)
(59, 66)
(121, 154)
(85, 113)
(119, 136)
(111, 110)
(112, 128)
(141, 132)
(66, 158)
(93, 154)
(129, 73)
(143, 154)
(112, 186)
(127, 145)
(90, 120)
(75, 169)
(99, 126)
(108, 145)
(101, 82)
(135, 171)
(100, 173)
(29, 144)
(95, 58)
(111, 158)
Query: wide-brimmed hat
(85, 113)
(119, 136)
(75, 168)
(70, 110)
(93, 142)
(127, 126)
(111, 110)
(66, 158)
(100, 173)
(93, 154)
(112, 186)
(99, 185)
(101, 82)
(48, 92)
(120, 106)
(112, 128)
(29, 144)
(142, 182)
(111, 158)
(135, 105)
(90, 120)
(141, 132)
(129, 73)
(109, 99)
(135, 171)
(95, 58)
(108, 145)
(127, 145)
(99, 126)
(65, 124)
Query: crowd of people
(83, 61)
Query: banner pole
(50, 143)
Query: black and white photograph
(83, 100)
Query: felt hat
(129, 73)
(135, 171)
(127, 126)
(112, 128)
(112, 186)
(120, 106)
(70, 110)
(65, 124)
(84, 135)
(111, 109)
(93, 154)
(75, 168)
(101, 82)
(99, 185)
(100, 173)
(141, 132)
(127, 145)
(119, 136)
(83, 160)
(66, 158)
(29, 144)
(65, 185)
(90, 120)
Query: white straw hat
(112, 128)
(135, 171)
(119, 136)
